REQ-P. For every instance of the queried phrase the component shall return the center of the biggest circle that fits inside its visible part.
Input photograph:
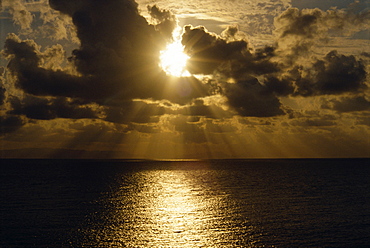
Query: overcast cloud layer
(85, 75)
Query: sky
(265, 79)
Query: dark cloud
(201, 130)
(348, 104)
(117, 61)
(233, 58)
(335, 74)
(299, 23)
(118, 58)
(280, 87)
(365, 54)
(312, 23)
(137, 112)
(145, 128)
(10, 123)
(191, 132)
(230, 32)
(364, 120)
(205, 49)
(45, 109)
(298, 31)
(119, 50)
(2, 94)
(320, 122)
(32, 107)
(328, 4)
(209, 53)
(249, 98)
(199, 108)
(2, 88)
(24, 63)
(166, 21)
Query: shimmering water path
(224, 203)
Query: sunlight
(173, 59)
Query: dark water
(253, 203)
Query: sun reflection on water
(173, 208)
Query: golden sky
(262, 79)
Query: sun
(173, 59)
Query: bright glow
(173, 59)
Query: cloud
(120, 63)
(112, 64)
(209, 52)
(297, 31)
(202, 108)
(113, 84)
(166, 22)
(2, 88)
(25, 64)
(134, 111)
(10, 123)
(200, 130)
(365, 120)
(348, 104)
(2, 94)
(328, 4)
(232, 57)
(259, 76)
(248, 98)
(21, 15)
(320, 122)
(335, 74)
(45, 109)
(55, 26)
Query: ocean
(215, 203)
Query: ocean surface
(217, 203)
